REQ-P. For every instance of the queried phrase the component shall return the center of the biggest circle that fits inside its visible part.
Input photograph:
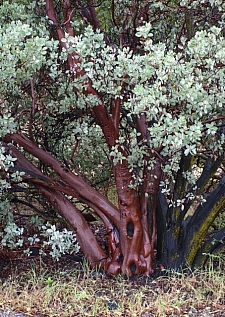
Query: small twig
(33, 110)
(69, 17)
(215, 119)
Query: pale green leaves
(60, 242)
(208, 45)
(196, 3)
(12, 236)
(7, 162)
(117, 155)
(145, 31)
(22, 53)
(7, 124)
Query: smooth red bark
(131, 248)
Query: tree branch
(86, 239)
(67, 13)
(200, 222)
(74, 180)
(210, 246)
(209, 170)
(33, 109)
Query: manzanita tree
(126, 92)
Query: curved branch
(16, 200)
(212, 245)
(104, 120)
(52, 16)
(102, 117)
(67, 13)
(33, 110)
(209, 170)
(85, 237)
(200, 222)
(73, 180)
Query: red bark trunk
(131, 248)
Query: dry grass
(83, 292)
